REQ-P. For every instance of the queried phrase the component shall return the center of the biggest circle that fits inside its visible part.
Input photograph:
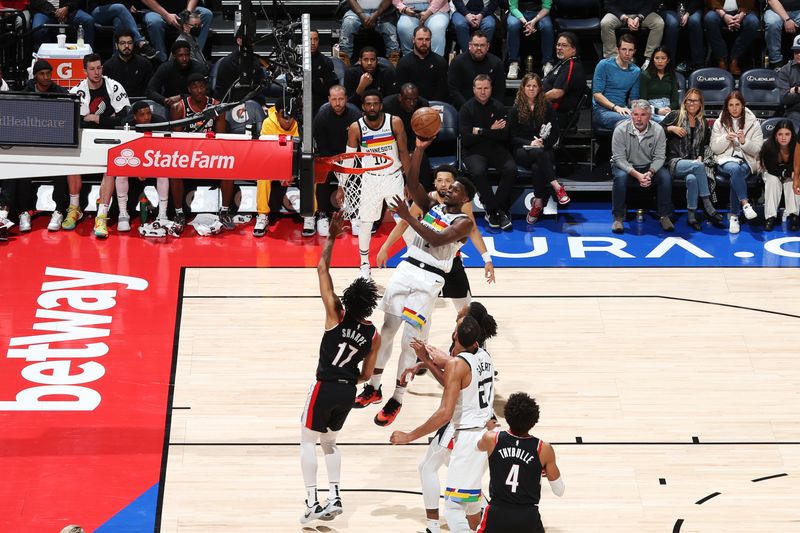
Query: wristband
(487, 257)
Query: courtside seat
(767, 126)
(761, 92)
(715, 84)
(248, 113)
(446, 149)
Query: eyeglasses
(478, 45)
(563, 45)
(125, 43)
(692, 101)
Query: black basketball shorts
(511, 519)
(456, 284)
(327, 405)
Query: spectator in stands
(659, 85)
(566, 83)
(269, 194)
(736, 141)
(170, 79)
(528, 17)
(484, 137)
(229, 86)
(131, 70)
(687, 138)
(788, 81)
(3, 84)
(369, 74)
(372, 15)
(634, 15)
(103, 104)
(16, 25)
(403, 105)
(615, 82)
(191, 26)
(638, 150)
(782, 16)
(42, 81)
(330, 138)
(110, 12)
(734, 16)
(777, 159)
(433, 15)
(426, 69)
(194, 104)
(533, 126)
(679, 14)
(463, 69)
(164, 13)
(323, 76)
(67, 12)
(470, 16)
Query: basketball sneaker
(309, 226)
(368, 395)
(178, 224)
(55, 221)
(389, 412)
(365, 272)
(323, 226)
(333, 509)
(226, 220)
(314, 512)
(25, 221)
(124, 223)
(262, 223)
(101, 226)
(74, 214)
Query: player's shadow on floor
(320, 529)
(400, 511)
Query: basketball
(426, 122)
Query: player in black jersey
(348, 340)
(517, 463)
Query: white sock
(364, 239)
(102, 210)
(74, 199)
(121, 185)
(398, 394)
(162, 186)
(333, 461)
(308, 462)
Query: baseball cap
(41, 64)
(796, 44)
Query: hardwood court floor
(658, 388)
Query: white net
(361, 188)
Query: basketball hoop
(351, 169)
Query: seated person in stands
(372, 15)
(687, 14)
(615, 82)
(527, 17)
(3, 84)
(104, 104)
(734, 16)
(534, 132)
(191, 26)
(782, 16)
(140, 114)
(164, 13)
(788, 82)
(68, 12)
(323, 76)
(131, 70)
(736, 141)
(194, 104)
(369, 74)
(634, 16)
(118, 14)
(778, 155)
(659, 85)
(269, 193)
(424, 68)
(566, 83)
(433, 15)
(229, 86)
(687, 138)
(477, 60)
(484, 137)
(638, 151)
(470, 16)
(403, 105)
(171, 78)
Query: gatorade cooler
(67, 62)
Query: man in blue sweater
(615, 82)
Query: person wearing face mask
(131, 70)
(191, 26)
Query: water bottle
(640, 215)
(144, 203)
(237, 18)
(529, 64)
(80, 36)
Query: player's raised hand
(399, 437)
(408, 374)
(335, 227)
(400, 207)
(423, 142)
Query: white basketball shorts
(467, 465)
(411, 294)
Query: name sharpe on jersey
(516, 453)
(354, 336)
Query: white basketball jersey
(474, 405)
(380, 141)
(442, 256)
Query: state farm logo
(711, 78)
(127, 158)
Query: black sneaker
(179, 223)
(146, 50)
(493, 219)
(389, 412)
(505, 222)
(226, 220)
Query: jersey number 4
(340, 360)
(513, 478)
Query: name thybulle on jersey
(516, 453)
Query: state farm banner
(203, 158)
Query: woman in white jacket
(736, 141)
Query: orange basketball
(426, 122)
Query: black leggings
(544, 172)
(18, 194)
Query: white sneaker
(547, 68)
(355, 225)
(262, 222)
(124, 223)
(315, 512)
(749, 212)
(323, 226)
(309, 226)
(25, 221)
(55, 221)
(513, 70)
(734, 225)
(366, 272)
(333, 509)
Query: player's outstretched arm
(394, 236)
(487, 442)
(477, 241)
(548, 458)
(368, 367)
(333, 306)
(416, 190)
(458, 230)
